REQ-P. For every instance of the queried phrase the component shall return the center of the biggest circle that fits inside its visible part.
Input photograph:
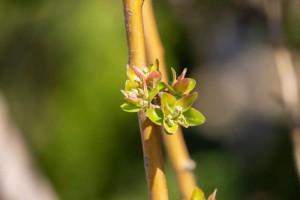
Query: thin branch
(286, 72)
(150, 133)
(19, 178)
(175, 145)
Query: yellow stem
(175, 145)
(150, 133)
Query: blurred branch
(19, 179)
(286, 72)
(150, 133)
(175, 144)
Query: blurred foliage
(57, 63)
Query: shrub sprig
(166, 104)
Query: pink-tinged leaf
(168, 100)
(170, 129)
(193, 117)
(156, 115)
(182, 75)
(137, 72)
(213, 195)
(134, 100)
(181, 85)
(186, 102)
(153, 78)
(145, 90)
(198, 194)
(129, 107)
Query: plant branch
(175, 145)
(150, 133)
(19, 176)
(286, 72)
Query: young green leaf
(130, 107)
(191, 86)
(170, 128)
(156, 115)
(130, 74)
(182, 121)
(167, 111)
(155, 66)
(197, 194)
(186, 102)
(152, 94)
(168, 100)
(193, 117)
(171, 90)
(129, 85)
(160, 86)
(173, 75)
